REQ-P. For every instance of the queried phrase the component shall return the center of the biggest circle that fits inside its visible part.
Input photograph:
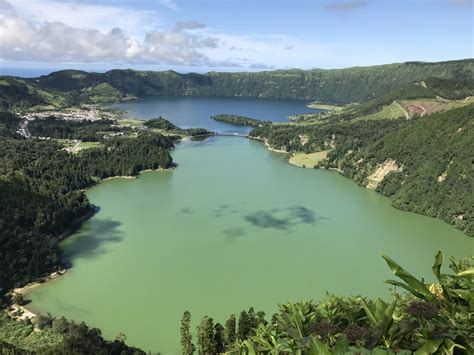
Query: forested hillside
(41, 195)
(358, 84)
(48, 335)
(424, 164)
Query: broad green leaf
(467, 272)
(451, 345)
(369, 313)
(429, 347)
(341, 346)
(379, 312)
(439, 259)
(406, 287)
(412, 282)
(316, 347)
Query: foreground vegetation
(431, 319)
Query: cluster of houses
(73, 115)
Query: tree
(205, 333)
(230, 335)
(243, 326)
(219, 338)
(186, 338)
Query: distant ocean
(34, 72)
(25, 72)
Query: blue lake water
(188, 112)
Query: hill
(424, 164)
(358, 84)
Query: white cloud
(88, 15)
(54, 31)
(276, 51)
(24, 38)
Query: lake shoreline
(26, 311)
(262, 186)
(340, 172)
(132, 177)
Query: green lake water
(232, 226)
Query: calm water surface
(188, 112)
(233, 226)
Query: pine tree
(230, 335)
(243, 326)
(219, 338)
(205, 333)
(186, 338)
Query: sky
(231, 35)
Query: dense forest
(87, 131)
(239, 120)
(47, 335)
(163, 124)
(358, 84)
(433, 153)
(430, 319)
(41, 195)
(41, 199)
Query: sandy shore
(136, 176)
(265, 143)
(25, 312)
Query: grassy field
(87, 145)
(307, 160)
(326, 106)
(130, 122)
(75, 146)
(392, 111)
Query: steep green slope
(357, 84)
(440, 93)
(424, 164)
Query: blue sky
(230, 35)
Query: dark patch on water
(234, 232)
(93, 239)
(186, 210)
(281, 218)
